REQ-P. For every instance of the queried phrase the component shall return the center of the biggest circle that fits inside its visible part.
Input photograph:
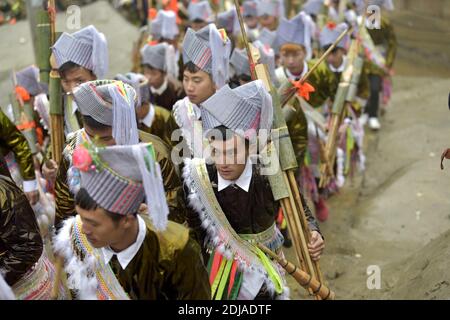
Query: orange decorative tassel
(152, 13)
(303, 89)
(23, 93)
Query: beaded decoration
(37, 283)
(88, 274)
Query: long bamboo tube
(345, 94)
(304, 279)
(285, 204)
(292, 92)
(304, 223)
(57, 133)
(293, 209)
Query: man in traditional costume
(250, 14)
(233, 205)
(164, 28)
(382, 53)
(206, 61)
(108, 111)
(293, 41)
(348, 152)
(200, 14)
(111, 251)
(160, 67)
(269, 13)
(80, 57)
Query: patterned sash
(37, 283)
(88, 274)
(231, 251)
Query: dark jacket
(170, 96)
(20, 241)
(248, 212)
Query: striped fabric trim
(112, 192)
(290, 32)
(67, 48)
(90, 103)
(197, 51)
(240, 113)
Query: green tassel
(237, 286)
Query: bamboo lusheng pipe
(286, 205)
(323, 155)
(285, 149)
(344, 95)
(304, 223)
(43, 45)
(293, 206)
(293, 90)
(298, 228)
(57, 132)
(304, 279)
(56, 116)
(339, 107)
(330, 148)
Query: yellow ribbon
(273, 274)
(224, 279)
(217, 279)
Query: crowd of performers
(134, 209)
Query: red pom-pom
(81, 159)
(331, 25)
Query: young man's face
(100, 229)
(336, 57)
(155, 77)
(269, 22)
(251, 22)
(103, 138)
(229, 156)
(198, 86)
(74, 77)
(293, 59)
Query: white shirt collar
(292, 77)
(148, 119)
(340, 68)
(125, 256)
(243, 181)
(161, 89)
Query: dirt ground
(396, 215)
